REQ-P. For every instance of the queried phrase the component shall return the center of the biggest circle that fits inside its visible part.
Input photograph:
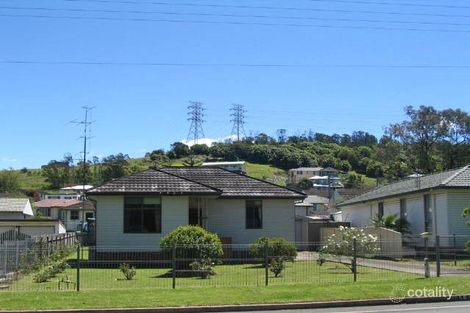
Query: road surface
(447, 307)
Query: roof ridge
(263, 181)
(458, 172)
(189, 180)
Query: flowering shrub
(340, 246)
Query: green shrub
(128, 271)
(277, 266)
(203, 267)
(276, 248)
(193, 242)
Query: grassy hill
(33, 180)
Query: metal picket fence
(237, 265)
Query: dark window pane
(132, 221)
(254, 214)
(142, 215)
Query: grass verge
(181, 297)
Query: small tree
(305, 184)
(391, 221)
(340, 246)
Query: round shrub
(193, 242)
(276, 248)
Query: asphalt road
(450, 307)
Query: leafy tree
(157, 159)
(353, 180)
(305, 184)
(421, 133)
(114, 166)
(180, 150)
(193, 161)
(199, 149)
(57, 173)
(466, 213)
(9, 181)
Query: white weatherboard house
(137, 211)
(432, 203)
(15, 209)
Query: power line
(81, 10)
(238, 119)
(196, 113)
(324, 26)
(242, 65)
(251, 7)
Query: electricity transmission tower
(238, 119)
(196, 114)
(86, 123)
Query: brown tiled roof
(58, 203)
(234, 185)
(153, 182)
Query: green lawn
(186, 296)
(227, 276)
(267, 172)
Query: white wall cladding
(110, 223)
(361, 214)
(227, 219)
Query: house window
(403, 210)
(254, 214)
(427, 213)
(142, 215)
(74, 215)
(380, 213)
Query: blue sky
(141, 108)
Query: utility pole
(238, 119)
(196, 114)
(86, 123)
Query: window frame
(74, 212)
(158, 216)
(247, 215)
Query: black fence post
(354, 260)
(438, 256)
(173, 265)
(266, 265)
(78, 268)
(455, 249)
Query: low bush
(276, 266)
(128, 271)
(276, 248)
